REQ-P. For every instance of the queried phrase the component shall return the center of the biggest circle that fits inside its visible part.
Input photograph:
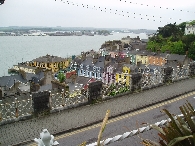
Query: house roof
(82, 80)
(145, 52)
(132, 67)
(73, 87)
(175, 57)
(100, 62)
(25, 66)
(77, 60)
(46, 87)
(35, 77)
(118, 68)
(9, 80)
(69, 74)
(49, 59)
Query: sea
(17, 49)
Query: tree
(171, 38)
(191, 51)
(188, 40)
(182, 27)
(178, 48)
(61, 77)
(169, 30)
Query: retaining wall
(68, 119)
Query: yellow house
(142, 58)
(53, 63)
(124, 76)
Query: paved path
(126, 123)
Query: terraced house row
(116, 62)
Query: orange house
(157, 59)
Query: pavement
(126, 123)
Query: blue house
(92, 67)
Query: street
(126, 123)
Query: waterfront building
(189, 29)
(142, 57)
(132, 55)
(24, 67)
(157, 59)
(53, 63)
(176, 58)
(124, 76)
(108, 77)
(91, 66)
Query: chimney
(83, 56)
(34, 87)
(107, 59)
(95, 58)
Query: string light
(117, 12)
(155, 6)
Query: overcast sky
(60, 13)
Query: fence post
(63, 92)
(16, 107)
(50, 100)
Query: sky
(130, 14)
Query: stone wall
(60, 121)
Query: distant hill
(59, 28)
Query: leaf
(187, 116)
(178, 139)
(102, 127)
(190, 108)
(173, 121)
(184, 127)
(158, 129)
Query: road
(126, 123)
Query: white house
(190, 29)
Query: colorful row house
(124, 77)
(142, 58)
(157, 59)
(92, 67)
(108, 76)
(53, 63)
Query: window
(81, 71)
(94, 68)
(119, 76)
(92, 73)
(125, 77)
